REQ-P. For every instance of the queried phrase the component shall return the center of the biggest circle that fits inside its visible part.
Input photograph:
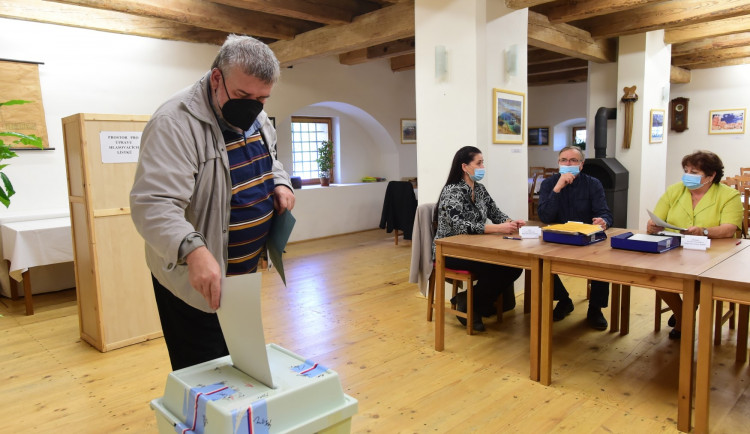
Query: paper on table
(530, 231)
(241, 323)
(281, 228)
(646, 237)
(659, 222)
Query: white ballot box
(215, 397)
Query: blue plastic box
(622, 241)
(573, 239)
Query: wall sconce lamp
(441, 62)
(510, 57)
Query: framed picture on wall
(730, 121)
(538, 136)
(508, 124)
(408, 131)
(656, 134)
(273, 120)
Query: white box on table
(214, 397)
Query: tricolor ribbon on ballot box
(309, 369)
(195, 407)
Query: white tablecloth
(36, 242)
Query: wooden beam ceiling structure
(563, 35)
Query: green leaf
(23, 139)
(15, 102)
(5, 152)
(8, 185)
(4, 198)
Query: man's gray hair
(251, 55)
(573, 148)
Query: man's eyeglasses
(571, 161)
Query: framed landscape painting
(408, 131)
(538, 136)
(508, 123)
(730, 121)
(657, 126)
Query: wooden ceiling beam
(711, 56)
(679, 75)
(572, 76)
(714, 43)
(107, 21)
(321, 11)
(568, 40)
(538, 55)
(583, 9)
(377, 27)
(522, 4)
(204, 14)
(381, 51)
(559, 66)
(664, 15)
(694, 32)
(730, 62)
(403, 63)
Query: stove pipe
(600, 130)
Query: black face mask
(240, 113)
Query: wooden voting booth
(116, 305)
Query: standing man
(575, 196)
(205, 191)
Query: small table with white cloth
(34, 243)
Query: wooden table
(674, 271)
(34, 243)
(727, 281)
(492, 249)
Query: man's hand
(600, 221)
(283, 199)
(564, 181)
(205, 275)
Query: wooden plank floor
(350, 307)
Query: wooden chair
(720, 318)
(744, 171)
(535, 170)
(455, 277)
(549, 171)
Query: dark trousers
(192, 336)
(599, 292)
(492, 279)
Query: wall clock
(678, 114)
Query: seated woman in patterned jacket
(464, 208)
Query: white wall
(96, 72)
(457, 110)
(562, 105)
(711, 89)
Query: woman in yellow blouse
(701, 204)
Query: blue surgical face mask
(691, 181)
(478, 174)
(575, 170)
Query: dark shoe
(675, 334)
(509, 299)
(596, 319)
(563, 308)
(460, 301)
(478, 325)
(672, 321)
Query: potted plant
(6, 189)
(325, 162)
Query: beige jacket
(182, 185)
